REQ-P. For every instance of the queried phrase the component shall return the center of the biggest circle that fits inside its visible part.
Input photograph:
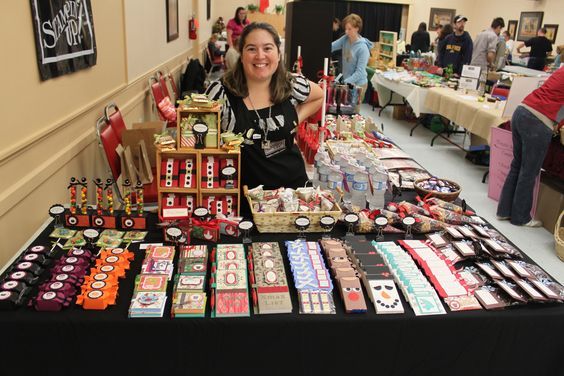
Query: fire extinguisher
(193, 28)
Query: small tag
(257, 136)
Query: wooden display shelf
(179, 190)
(199, 193)
(219, 191)
(386, 56)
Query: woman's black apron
(284, 168)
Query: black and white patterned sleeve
(300, 90)
(215, 92)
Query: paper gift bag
(144, 164)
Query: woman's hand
(312, 104)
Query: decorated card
(108, 242)
(231, 304)
(385, 296)
(111, 233)
(62, 233)
(135, 235)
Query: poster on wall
(64, 36)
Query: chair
(158, 95)
(114, 119)
(162, 80)
(214, 63)
(108, 142)
(173, 84)
(500, 91)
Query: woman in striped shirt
(265, 103)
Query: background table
(517, 341)
(524, 71)
(413, 94)
(465, 111)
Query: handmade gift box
(229, 226)
(228, 173)
(187, 172)
(169, 173)
(220, 204)
(206, 230)
(210, 172)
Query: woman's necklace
(266, 141)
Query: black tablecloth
(518, 341)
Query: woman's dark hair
(280, 82)
(422, 27)
(446, 30)
(236, 18)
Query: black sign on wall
(64, 36)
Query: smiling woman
(265, 103)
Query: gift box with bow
(205, 230)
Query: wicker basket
(284, 222)
(559, 237)
(450, 196)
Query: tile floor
(446, 160)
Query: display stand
(198, 172)
(387, 50)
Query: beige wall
(480, 13)
(49, 127)
(145, 34)
(226, 9)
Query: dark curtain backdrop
(375, 16)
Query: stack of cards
(376, 276)
(415, 287)
(159, 260)
(230, 297)
(519, 282)
(442, 274)
(189, 296)
(149, 298)
(311, 277)
(345, 275)
(268, 278)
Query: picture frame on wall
(171, 20)
(529, 23)
(551, 31)
(512, 28)
(440, 16)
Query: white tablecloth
(413, 94)
(524, 71)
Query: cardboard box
(550, 205)
(143, 131)
(399, 112)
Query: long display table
(517, 341)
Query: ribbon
(213, 223)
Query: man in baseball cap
(460, 17)
(456, 48)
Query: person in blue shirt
(355, 53)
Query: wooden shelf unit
(198, 192)
(386, 57)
